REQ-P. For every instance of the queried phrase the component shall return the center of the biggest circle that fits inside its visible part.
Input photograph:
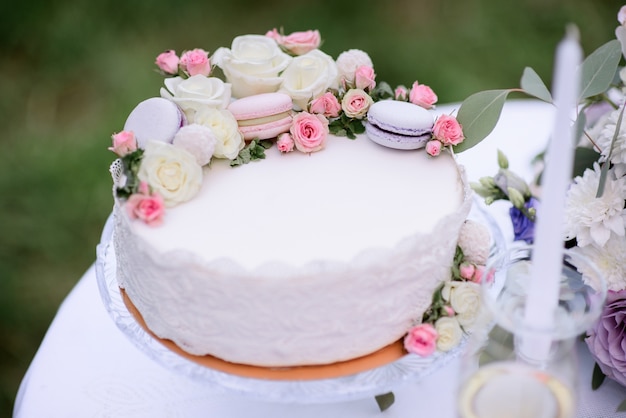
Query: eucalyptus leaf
(478, 115)
(533, 85)
(605, 166)
(583, 159)
(621, 407)
(598, 69)
(385, 401)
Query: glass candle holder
(498, 376)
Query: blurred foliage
(71, 71)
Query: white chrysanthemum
(592, 219)
(198, 140)
(605, 138)
(348, 61)
(474, 240)
(610, 261)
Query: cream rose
(450, 333)
(229, 140)
(195, 93)
(356, 103)
(252, 64)
(170, 171)
(465, 299)
(308, 77)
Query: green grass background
(71, 71)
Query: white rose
(170, 171)
(348, 61)
(465, 299)
(252, 64)
(196, 92)
(225, 129)
(308, 77)
(449, 333)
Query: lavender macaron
(399, 125)
(155, 119)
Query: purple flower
(607, 339)
(523, 228)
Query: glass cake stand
(372, 382)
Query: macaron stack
(263, 116)
(399, 125)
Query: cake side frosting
(281, 313)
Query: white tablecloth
(87, 367)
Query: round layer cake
(298, 259)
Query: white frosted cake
(310, 257)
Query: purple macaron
(399, 125)
(155, 119)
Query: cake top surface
(298, 208)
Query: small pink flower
(422, 95)
(364, 77)
(401, 93)
(421, 340)
(299, 43)
(147, 207)
(433, 147)
(467, 270)
(309, 132)
(449, 310)
(124, 143)
(196, 62)
(327, 105)
(275, 35)
(621, 15)
(478, 274)
(448, 130)
(285, 142)
(356, 103)
(168, 62)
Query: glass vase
(501, 375)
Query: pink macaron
(263, 116)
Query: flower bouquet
(595, 213)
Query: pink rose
(356, 103)
(449, 311)
(467, 270)
(195, 62)
(433, 147)
(401, 93)
(145, 206)
(421, 340)
(364, 77)
(479, 272)
(285, 142)
(309, 132)
(275, 36)
(327, 105)
(422, 95)
(448, 130)
(168, 62)
(124, 143)
(299, 43)
(621, 15)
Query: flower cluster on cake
(328, 96)
(197, 120)
(595, 214)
